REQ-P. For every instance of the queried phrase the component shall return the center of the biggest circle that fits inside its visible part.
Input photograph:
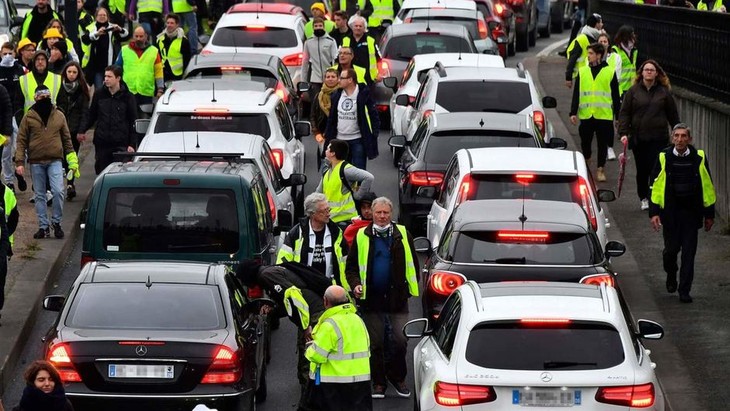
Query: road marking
(549, 49)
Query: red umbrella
(622, 158)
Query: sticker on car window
(112, 248)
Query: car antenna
(523, 217)
(428, 18)
(481, 122)
(213, 89)
(197, 139)
(148, 284)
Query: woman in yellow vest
(596, 102)
(101, 43)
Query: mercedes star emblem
(546, 377)
(141, 350)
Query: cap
(25, 42)
(593, 19)
(39, 53)
(52, 33)
(319, 6)
(41, 91)
(368, 198)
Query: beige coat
(43, 144)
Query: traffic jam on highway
(520, 306)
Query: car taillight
(426, 178)
(524, 179)
(282, 92)
(86, 259)
(483, 32)
(255, 27)
(584, 192)
(448, 394)
(636, 396)
(224, 369)
(60, 356)
(293, 59)
(205, 52)
(277, 157)
(382, 107)
(598, 279)
(464, 189)
(523, 236)
(539, 119)
(499, 9)
(445, 282)
(272, 205)
(427, 113)
(255, 292)
(384, 68)
(537, 322)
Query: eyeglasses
(324, 210)
(30, 50)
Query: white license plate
(141, 371)
(546, 398)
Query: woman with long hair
(647, 114)
(43, 390)
(73, 100)
(104, 42)
(321, 109)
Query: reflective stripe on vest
(628, 69)
(173, 56)
(294, 295)
(372, 62)
(139, 71)
(594, 98)
(86, 48)
(581, 40)
(359, 71)
(342, 205)
(10, 204)
(658, 188)
(145, 6)
(363, 248)
(28, 86)
(26, 26)
(382, 10)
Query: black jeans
(646, 154)
(603, 129)
(3, 275)
(680, 234)
(394, 368)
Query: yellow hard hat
(52, 33)
(24, 42)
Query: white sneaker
(611, 154)
(644, 204)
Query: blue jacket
(368, 130)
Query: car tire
(522, 40)
(299, 204)
(262, 392)
(385, 120)
(512, 47)
(532, 37)
(545, 32)
(397, 153)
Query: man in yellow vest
(596, 102)
(142, 68)
(365, 51)
(344, 62)
(342, 183)
(174, 49)
(149, 14)
(37, 20)
(39, 75)
(716, 6)
(353, 7)
(187, 10)
(384, 12)
(318, 10)
(5, 252)
(382, 269)
(339, 351)
(682, 202)
(578, 48)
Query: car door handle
(427, 364)
(296, 153)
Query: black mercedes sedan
(159, 335)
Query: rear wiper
(498, 110)
(182, 247)
(564, 364)
(507, 260)
(264, 45)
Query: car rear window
(405, 47)
(520, 346)
(237, 72)
(469, 23)
(134, 306)
(221, 122)
(556, 249)
(443, 144)
(482, 95)
(528, 186)
(254, 36)
(171, 220)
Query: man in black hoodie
(114, 112)
(37, 20)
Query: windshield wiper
(498, 110)
(507, 260)
(548, 365)
(264, 45)
(182, 247)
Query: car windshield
(484, 95)
(516, 345)
(154, 220)
(528, 186)
(235, 72)
(498, 247)
(134, 306)
(405, 47)
(469, 23)
(443, 144)
(221, 122)
(254, 36)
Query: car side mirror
(204, 39)
(403, 100)
(146, 108)
(416, 328)
(606, 196)
(398, 141)
(649, 330)
(303, 87)
(302, 129)
(391, 83)
(549, 102)
(422, 244)
(426, 192)
(257, 305)
(615, 249)
(557, 143)
(295, 179)
(53, 302)
(141, 125)
(285, 219)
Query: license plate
(546, 398)
(141, 371)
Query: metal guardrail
(692, 46)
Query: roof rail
(520, 70)
(155, 156)
(166, 96)
(439, 66)
(265, 97)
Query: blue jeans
(45, 175)
(357, 155)
(98, 81)
(190, 20)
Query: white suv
(505, 346)
(501, 173)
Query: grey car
(474, 22)
(10, 22)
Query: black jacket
(302, 230)
(365, 104)
(396, 298)
(114, 116)
(99, 54)
(75, 107)
(10, 79)
(6, 113)
(647, 114)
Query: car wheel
(512, 47)
(557, 26)
(532, 38)
(384, 120)
(545, 32)
(299, 204)
(262, 391)
(522, 41)
(397, 153)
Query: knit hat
(52, 33)
(593, 19)
(39, 53)
(42, 90)
(318, 6)
(24, 42)
(367, 198)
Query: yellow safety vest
(329, 25)
(363, 248)
(287, 254)
(293, 295)
(10, 204)
(360, 4)
(181, 6)
(340, 352)
(86, 48)
(628, 69)
(659, 187)
(581, 40)
(703, 6)
(139, 72)
(26, 26)
(371, 56)
(359, 71)
(28, 86)
(342, 205)
(594, 95)
(173, 56)
(382, 10)
(144, 6)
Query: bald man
(142, 68)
